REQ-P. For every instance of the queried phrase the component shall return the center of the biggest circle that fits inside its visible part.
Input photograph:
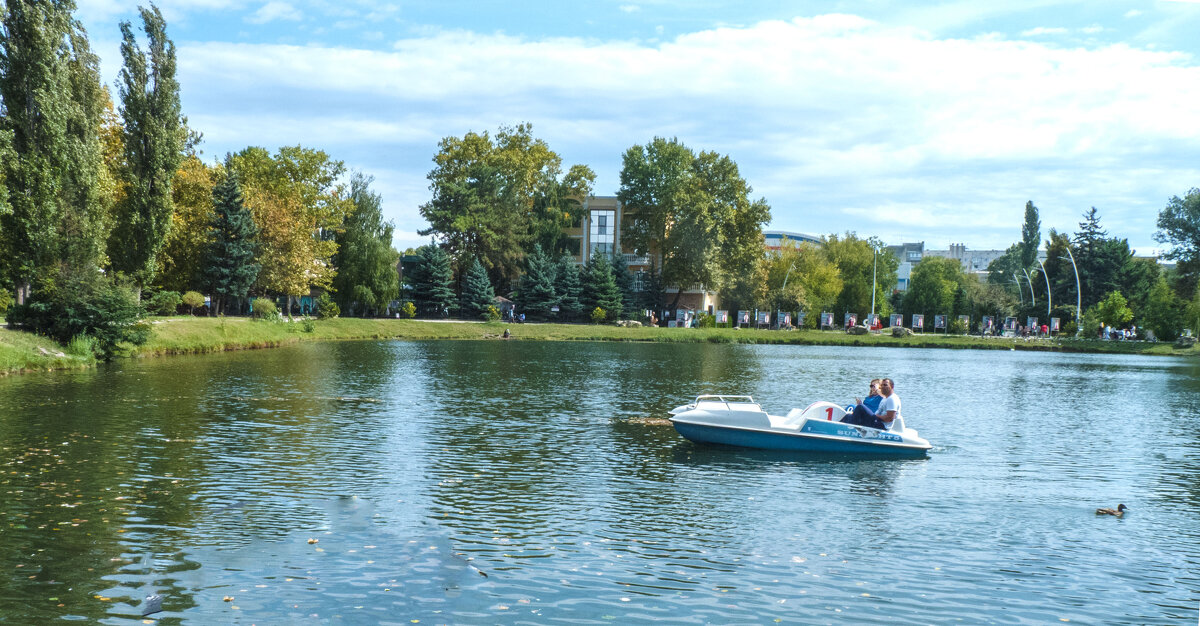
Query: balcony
(634, 259)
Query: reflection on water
(504, 482)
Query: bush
(408, 310)
(957, 327)
(193, 299)
(163, 303)
(704, 320)
(492, 314)
(308, 325)
(326, 307)
(82, 345)
(68, 303)
(264, 309)
(6, 301)
(598, 315)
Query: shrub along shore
(22, 351)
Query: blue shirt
(872, 403)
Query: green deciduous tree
(535, 293)
(365, 260)
(1031, 236)
(856, 260)
(1113, 310)
(599, 288)
(477, 294)
(1163, 311)
(182, 255)
(932, 288)
(154, 136)
(494, 197)
(1179, 227)
(229, 267)
(693, 214)
(53, 107)
(813, 281)
(431, 278)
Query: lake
(536, 483)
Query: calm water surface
(535, 483)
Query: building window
(603, 225)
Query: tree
(1031, 236)
(154, 135)
(493, 198)
(535, 293)
(1003, 268)
(813, 281)
(1098, 258)
(624, 281)
(932, 288)
(568, 288)
(856, 259)
(477, 294)
(1163, 312)
(431, 278)
(53, 107)
(365, 260)
(1179, 227)
(1113, 310)
(229, 264)
(692, 213)
(300, 206)
(183, 252)
(599, 288)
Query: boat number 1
(829, 414)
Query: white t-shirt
(890, 403)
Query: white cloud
(848, 116)
(1042, 30)
(1132, 13)
(275, 10)
(630, 8)
(1093, 29)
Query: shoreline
(22, 352)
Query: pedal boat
(740, 421)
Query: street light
(1020, 291)
(1032, 298)
(1049, 296)
(1078, 293)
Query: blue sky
(930, 122)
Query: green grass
(25, 352)
(21, 351)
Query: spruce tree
(624, 282)
(536, 294)
(477, 294)
(154, 135)
(431, 282)
(229, 267)
(653, 293)
(568, 288)
(599, 288)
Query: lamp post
(784, 287)
(1078, 293)
(1032, 298)
(1049, 296)
(1020, 291)
(874, 266)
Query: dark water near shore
(511, 482)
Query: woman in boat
(865, 409)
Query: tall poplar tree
(229, 267)
(154, 134)
(51, 108)
(1031, 236)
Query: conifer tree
(536, 293)
(477, 294)
(568, 288)
(53, 106)
(624, 282)
(599, 288)
(431, 280)
(653, 293)
(229, 265)
(154, 135)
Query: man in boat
(889, 408)
(865, 409)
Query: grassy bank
(21, 351)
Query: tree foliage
(183, 251)
(1179, 227)
(535, 293)
(365, 260)
(53, 107)
(856, 259)
(813, 281)
(932, 288)
(430, 278)
(229, 266)
(1113, 310)
(1031, 236)
(154, 135)
(477, 294)
(1163, 311)
(494, 197)
(568, 288)
(693, 214)
(600, 290)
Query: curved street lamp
(1020, 291)
(1078, 293)
(1032, 298)
(1049, 296)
